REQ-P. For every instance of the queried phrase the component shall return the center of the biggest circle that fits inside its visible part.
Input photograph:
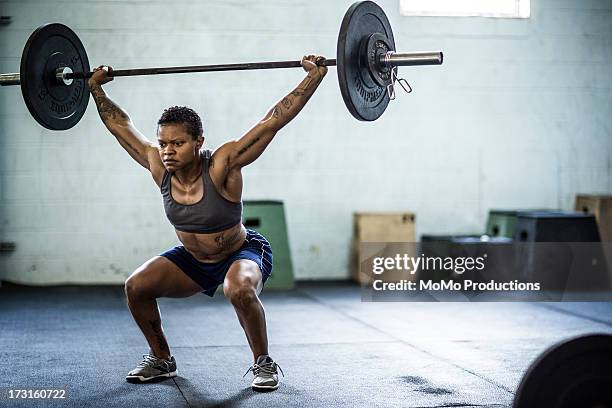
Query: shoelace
(149, 360)
(267, 369)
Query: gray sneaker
(266, 374)
(152, 367)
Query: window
(466, 8)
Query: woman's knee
(136, 286)
(240, 292)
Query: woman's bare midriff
(213, 247)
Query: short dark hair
(184, 116)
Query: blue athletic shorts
(210, 275)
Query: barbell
(54, 68)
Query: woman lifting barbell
(202, 192)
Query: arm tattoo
(107, 109)
(132, 148)
(247, 147)
(286, 103)
(309, 80)
(291, 105)
(159, 335)
(277, 112)
(110, 112)
(302, 89)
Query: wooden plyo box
(379, 228)
(601, 207)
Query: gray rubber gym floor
(335, 350)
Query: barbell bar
(54, 68)
(392, 60)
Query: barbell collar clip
(391, 87)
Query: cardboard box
(601, 207)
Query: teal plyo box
(268, 218)
(500, 223)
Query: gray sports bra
(212, 213)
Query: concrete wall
(518, 116)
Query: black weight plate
(53, 105)
(573, 373)
(364, 98)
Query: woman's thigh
(160, 277)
